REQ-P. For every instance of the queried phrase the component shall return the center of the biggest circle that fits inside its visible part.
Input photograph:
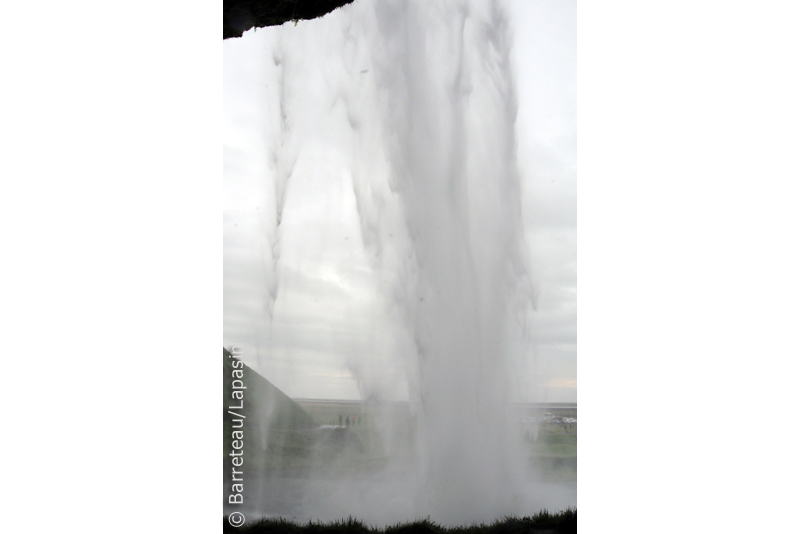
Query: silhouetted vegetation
(544, 522)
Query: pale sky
(327, 293)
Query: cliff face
(263, 405)
(256, 413)
(238, 16)
(257, 422)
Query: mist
(396, 119)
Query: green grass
(280, 434)
(553, 440)
(554, 454)
(544, 521)
(359, 448)
(326, 451)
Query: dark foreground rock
(238, 16)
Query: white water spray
(425, 95)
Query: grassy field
(565, 522)
(298, 436)
(553, 451)
(330, 450)
(356, 448)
